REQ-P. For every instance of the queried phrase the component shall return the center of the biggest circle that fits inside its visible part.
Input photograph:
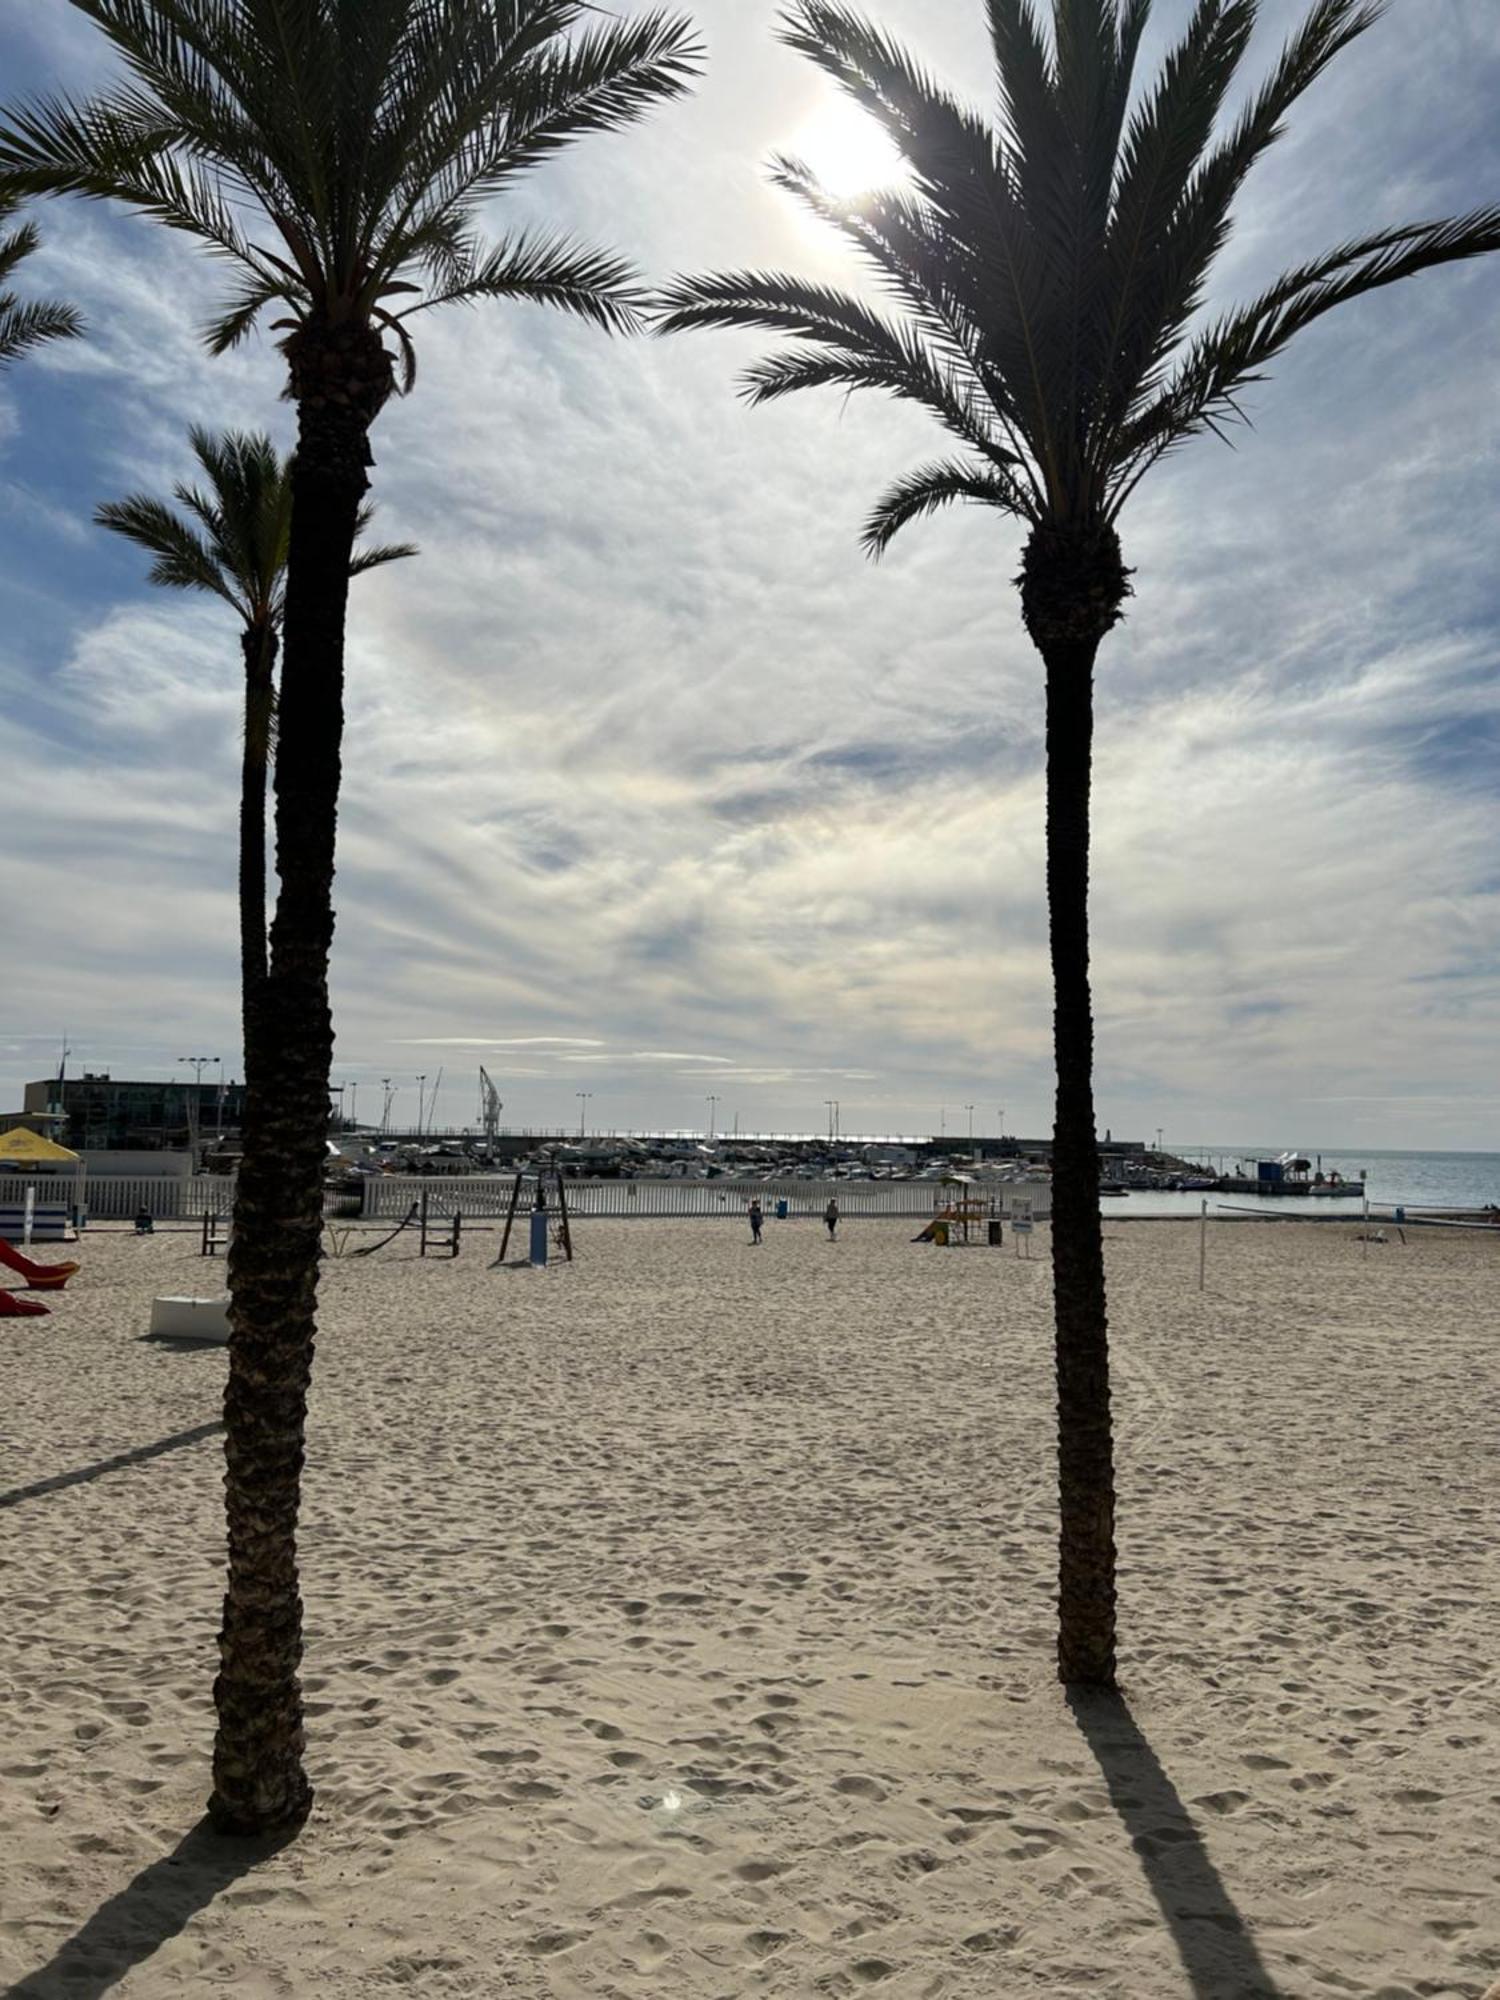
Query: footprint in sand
(546, 1944)
(760, 1870)
(855, 1787)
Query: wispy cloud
(653, 783)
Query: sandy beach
(679, 1623)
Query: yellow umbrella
(30, 1149)
(20, 1149)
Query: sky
(656, 789)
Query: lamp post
(1158, 1138)
(828, 1101)
(583, 1097)
(421, 1101)
(199, 1063)
(712, 1103)
(354, 1103)
(970, 1109)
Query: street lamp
(1158, 1138)
(421, 1101)
(712, 1102)
(970, 1109)
(830, 1102)
(199, 1063)
(583, 1097)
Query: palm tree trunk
(258, 644)
(1073, 584)
(1086, 1487)
(340, 378)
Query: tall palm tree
(22, 325)
(1044, 275)
(337, 152)
(231, 540)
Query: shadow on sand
(161, 1901)
(1217, 1951)
(62, 1480)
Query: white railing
(489, 1194)
(117, 1197)
(187, 1198)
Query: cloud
(650, 775)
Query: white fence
(187, 1198)
(117, 1197)
(489, 1194)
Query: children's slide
(13, 1306)
(35, 1277)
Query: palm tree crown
(362, 137)
(1049, 271)
(26, 325)
(232, 539)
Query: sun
(847, 150)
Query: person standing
(756, 1219)
(831, 1217)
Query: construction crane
(490, 1108)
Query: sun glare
(847, 150)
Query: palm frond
(971, 185)
(552, 271)
(930, 273)
(27, 324)
(1228, 357)
(24, 326)
(939, 484)
(604, 80)
(1186, 244)
(338, 149)
(856, 347)
(183, 560)
(380, 554)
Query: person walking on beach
(831, 1217)
(756, 1219)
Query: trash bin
(997, 1230)
(940, 1232)
(781, 1209)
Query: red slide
(13, 1306)
(35, 1277)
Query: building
(103, 1114)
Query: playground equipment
(35, 1277)
(541, 1221)
(962, 1213)
(217, 1231)
(13, 1306)
(441, 1232)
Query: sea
(1391, 1180)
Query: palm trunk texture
(258, 642)
(1072, 588)
(340, 378)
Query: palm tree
(231, 541)
(337, 152)
(23, 326)
(1045, 275)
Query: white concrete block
(192, 1319)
